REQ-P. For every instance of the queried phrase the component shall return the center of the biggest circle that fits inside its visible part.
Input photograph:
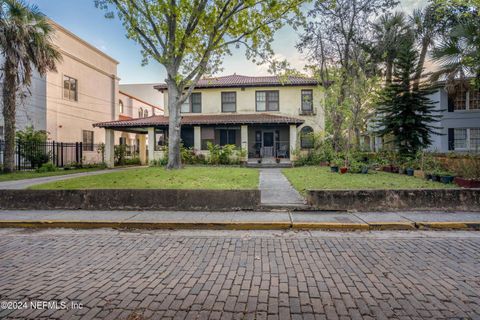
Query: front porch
(264, 138)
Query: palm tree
(25, 43)
(457, 53)
(389, 33)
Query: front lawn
(305, 178)
(160, 178)
(20, 175)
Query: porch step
(268, 165)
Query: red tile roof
(236, 80)
(256, 118)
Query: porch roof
(162, 121)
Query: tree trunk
(421, 62)
(9, 103)
(389, 72)
(174, 126)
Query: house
(266, 116)
(458, 104)
(65, 103)
(144, 92)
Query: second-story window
(193, 104)
(145, 113)
(120, 106)
(474, 96)
(307, 100)
(267, 100)
(140, 113)
(229, 101)
(70, 88)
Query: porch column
(197, 138)
(109, 148)
(151, 144)
(293, 141)
(244, 140)
(142, 149)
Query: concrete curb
(242, 225)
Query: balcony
(310, 112)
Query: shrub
(356, 166)
(119, 154)
(47, 167)
(33, 146)
(468, 167)
(132, 161)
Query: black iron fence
(29, 156)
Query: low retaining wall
(165, 199)
(388, 200)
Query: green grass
(21, 175)
(160, 178)
(310, 178)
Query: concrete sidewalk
(26, 183)
(241, 220)
(277, 190)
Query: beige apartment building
(66, 103)
(269, 117)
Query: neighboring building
(144, 92)
(459, 107)
(460, 123)
(67, 103)
(131, 107)
(267, 116)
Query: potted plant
(468, 172)
(343, 170)
(355, 167)
(259, 160)
(277, 160)
(335, 164)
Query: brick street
(241, 274)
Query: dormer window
(193, 104)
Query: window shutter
(450, 104)
(451, 139)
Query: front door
(268, 144)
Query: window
(460, 99)
(307, 100)
(475, 139)
(460, 139)
(474, 100)
(229, 101)
(122, 141)
(267, 100)
(228, 137)
(70, 88)
(207, 135)
(145, 113)
(140, 113)
(87, 140)
(306, 137)
(120, 106)
(193, 104)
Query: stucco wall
(289, 98)
(145, 92)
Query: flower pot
(259, 161)
(334, 169)
(446, 179)
(410, 172)
(467, 183)
(343, 170)
(277, 160)
(324, 164)
(364, 170)
(419, 174)
(428, 176)
(387, 168)
(435, 177)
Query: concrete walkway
(240, 220)
(277, 190)
(26, 183)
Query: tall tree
(335, 29)
(405, 113)
(25, 43)
(190, 37)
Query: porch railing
(280, 149)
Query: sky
(89, 23)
